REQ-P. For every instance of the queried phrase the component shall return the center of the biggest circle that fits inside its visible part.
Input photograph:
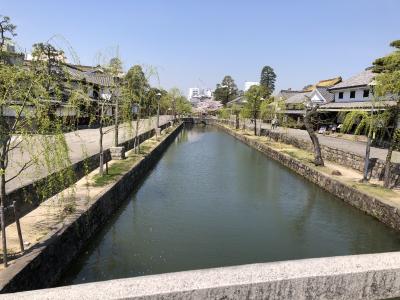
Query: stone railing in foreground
(368, 276)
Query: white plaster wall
(346, 95)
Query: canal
(212, 201)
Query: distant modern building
(198, 95)
(249, 84)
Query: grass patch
(118, 168)
(375, 189)
(114, 171)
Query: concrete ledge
(117, 153)
(370, 276)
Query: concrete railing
(369, 276)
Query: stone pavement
(82, 143)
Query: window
(340, 95)
(352, 94)
(365, 93)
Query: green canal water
(212, 201)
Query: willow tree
(135, 90)
(29, 132)
(368, 123)
(114, 69)
(254, 96)
(388, 86)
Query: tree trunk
(101, 154)
(137, 144)
(237, 122)
(4, 139)
(318, 161)
(255, 125)
(116, 122)
(366, 160)
(3, 221)
(388, 162)
(388, 165)
(101, 162)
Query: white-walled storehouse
(354, 89)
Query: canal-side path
(60, 210)
(81, 143)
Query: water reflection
(213, 201)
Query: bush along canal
(212, 201)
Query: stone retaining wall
(347, 159)
(28, 198)
(355, 161)
(43, 265)
(378, 208)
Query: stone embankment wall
(347, 159)
(355, 161)
(43, 265)
(28, 198)
(378, 208)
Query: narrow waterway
(212, 201)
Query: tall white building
(193, 92)
(197, 94)
(249, 84)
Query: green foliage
(254, 96)
(174, 102)
(389, 63)
(388, 79)
(114, 67)
(183, 106)
(114, 171)
(226, 91)
(267, 80)
(7, 30)
(224, 113)
(136, 84)
(236, 109)
(25, 93)
(267, 109)
(388, 85)
(49, 61)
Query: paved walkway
(356, 147)
(82, 143)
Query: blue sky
(196, 43)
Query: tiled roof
(239, 100)
(285, 94)
(298, 98)
(324, 83)
(361, 79)
(329, 97)
(337, 106)
(90, 76)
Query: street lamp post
(136, 110)
(158, 109)
(262, 99)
